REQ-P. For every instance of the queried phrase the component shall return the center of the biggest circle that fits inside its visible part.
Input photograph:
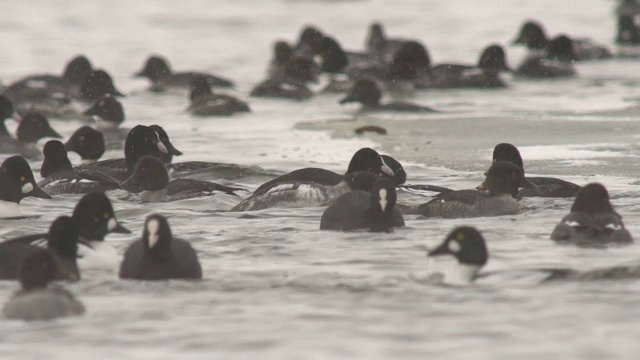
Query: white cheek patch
(162, 148)
(572, 223)
(27, 188)
(383, 199)
(454, 246)
(111, 224)
(613, 226)
(152, 228)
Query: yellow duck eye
(23, 179)
(81, 138)
(460, 236)
(106, 215)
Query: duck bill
(524, 183)
(172, 149)
(443, 249)
(118, 93)
(52, 133)
(38, 192)
(481, 187)
(346, 100)
(119, 229)
(132, 185)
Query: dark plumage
(502, 181)
(542, 186)
(367, 92)
(592, 221)
(205, 103)
(35, 301)
(157, 69)
(365, 159)
(159, 256)
(364, 210)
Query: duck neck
(381, 221)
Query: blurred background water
(277, 288)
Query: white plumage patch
(283, 187)
(383, 199)
(111, 224)
(152, 227)
(27, 188)
(613, 226)
(454, 246)
(572, 223)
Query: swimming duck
(502, 181)
(151, 179)
(365, 159)
(35, 301)
(62, 242)
(205, 103)
(372, 210)
(592, 220)
(159, 256)
(379, 45)
(32, 127)
(469, 248)
(533, 36)
(298, 72)
(88, 143)
(558, 62)
(107, 111)
(16, 183)
(542, 186)
(6, 112)
(367, 92)
(157, 69)
(96, 84)
(485, 75)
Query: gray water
(277, 288)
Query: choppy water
(276, 287)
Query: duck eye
(459, 236)
(23, 179)
(81, 137)
(106, 215)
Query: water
(277, 288)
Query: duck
(157, 70)
(94, 219)
(592, 221)
(310, 42)
(62, 242)
(106, 111)
(502, 181)
(60, 177)
(469, 248)
(293, 194)
(88, 143)
(486, 74)
(558, 62)
(16, 183)
(358, 209)
(32, 127)
(379, 45)
(628, 32)
(292, 84)
(151, 179)
(6, 112)
(533, 36)
(205, 103)
(282, 53)
(45, 86)
(542, 186)
(367, 92)
(365, 159)
(96, 84)
(36, 301)
(159, 256)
